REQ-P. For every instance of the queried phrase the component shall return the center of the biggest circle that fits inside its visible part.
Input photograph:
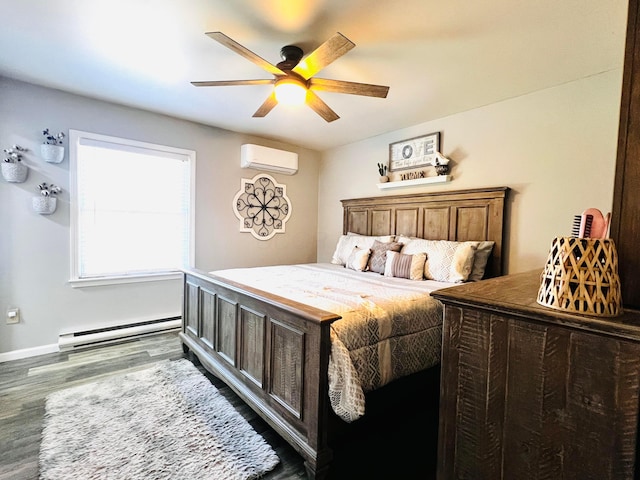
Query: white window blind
(132, 214)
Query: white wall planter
(44, 205)
(14, 172)
(52, 153)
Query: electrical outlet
(13, 316)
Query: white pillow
(483, 252)
(447, 261)
(415, 245)
(358, 259)
(405, 266)
(346, 243)
(404, 239)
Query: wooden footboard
(271, 351)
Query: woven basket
(581, 276)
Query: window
(131, 209)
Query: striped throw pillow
(401, 265)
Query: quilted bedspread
(390, 327)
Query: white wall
(34, 249)
(554, 148)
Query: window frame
(75, 137)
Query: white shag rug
(165, 422)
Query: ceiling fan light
(290, 91)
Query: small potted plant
(382, 170)
(13, 170)
(46, 202)
(52, 150)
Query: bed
(284, 351)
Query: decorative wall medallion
(262, 206)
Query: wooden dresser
(529, 392)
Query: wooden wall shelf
(415, 182)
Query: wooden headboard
(460, 215)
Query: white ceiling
(437, 57)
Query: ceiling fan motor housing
(291, 56)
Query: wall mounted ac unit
(271, 159)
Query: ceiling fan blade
(267, 106)
(246, 53)
(322, 56)
(228, 83)
(321, 108)
(352, 88)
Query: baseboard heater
(100, 336)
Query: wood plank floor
(370, 452)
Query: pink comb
(599, 224)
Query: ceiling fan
(295, 74)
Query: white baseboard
(70, 341)
(28, 352)
(108, 334)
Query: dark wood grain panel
(226, 328)
(522, 442)
(358, 222)
(471, 222)
(624, 459)
(436, 223)
(287, 374)
(207, 315)
(252, 341)
(590, 398)
(480, 394)
(449, 390)
(190, 308)
(381, 221)
(555, 363)
(625, 214)
(407, 221)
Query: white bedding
(390, 327)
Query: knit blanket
(390, 327)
